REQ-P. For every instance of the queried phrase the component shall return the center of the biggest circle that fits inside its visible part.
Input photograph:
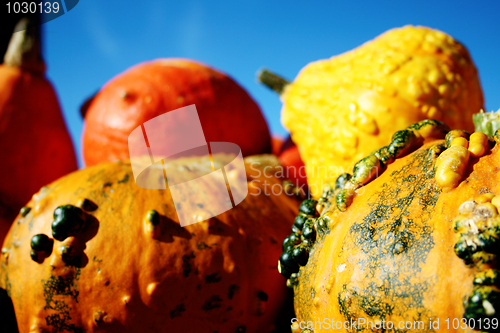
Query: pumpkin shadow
(169, 228)
(285, 315)
(8, 322)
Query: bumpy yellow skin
(452, 163)
(451, 166)
(341, 109)
(478, 144)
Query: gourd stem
(24, 48)
(487, 122)
(272, 81)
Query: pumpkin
(276, 144)
(227, 112)
(35, 147)
(290, 159)
(353, 102)
(95, 252)
(409, 240)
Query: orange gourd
(411, 236)
(35, 147)
(292, 162)
(113, 258)
(227, 112)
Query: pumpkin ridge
(403, 142)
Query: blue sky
(99, 39)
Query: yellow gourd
(341, 109)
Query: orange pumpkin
(290, 158)
(415, 246)
(276, 144)
(227, 113)
(35, 147)
(113, 257)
